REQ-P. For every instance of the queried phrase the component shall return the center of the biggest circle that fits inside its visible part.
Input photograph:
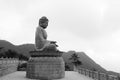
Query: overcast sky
(92, 26)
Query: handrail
(96, 75)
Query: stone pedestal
(45, 67)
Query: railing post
(85, 71)
(106, 76)
(109, 77)
(116, 78)
(98, 76)
(112, 77)
(93, 74)
(78, 70)
(81, 71)
(88, 73)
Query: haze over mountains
(87, 62)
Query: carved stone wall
(45, 68)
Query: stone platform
(69, 75)
(45, 68)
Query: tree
(22, 57)
(1, 54)
(11, 54)
(75, 60)
(67, 67)
(1, 48)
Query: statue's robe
(41, 41)
(40, 38)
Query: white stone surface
(20, 75)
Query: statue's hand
(53, 42)
(56, 45)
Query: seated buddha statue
(41, 41)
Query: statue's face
(44, 24)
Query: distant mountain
(6, 45)
(25, 49)
(87, 62)
(21, 49)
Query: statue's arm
(40, 34)
(45, 35)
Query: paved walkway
(20, 75)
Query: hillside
(87, 62)
(24, 49)
(6, 45)
(21, 49)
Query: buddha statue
(41, 41)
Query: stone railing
(8, 65)
(96, 75)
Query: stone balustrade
(96, 75)
(8, 65)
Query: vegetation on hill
(87, 62)
(75, 60)
(12, 54)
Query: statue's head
(43, 22)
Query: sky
(91, 26)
